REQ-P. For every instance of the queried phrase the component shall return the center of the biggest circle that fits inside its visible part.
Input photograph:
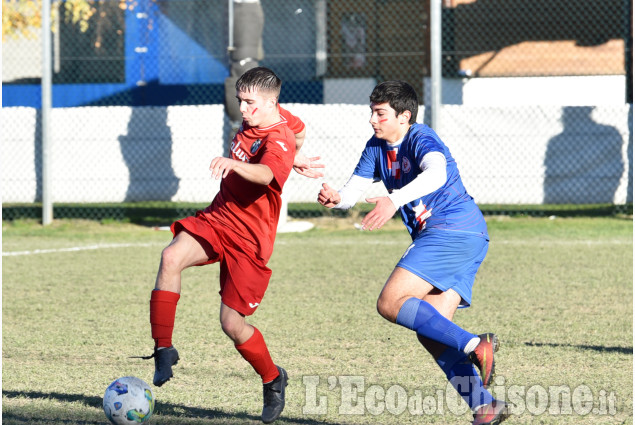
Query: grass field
(559, 293)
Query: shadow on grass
(598, 348)
(170, 412)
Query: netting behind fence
(537, 96)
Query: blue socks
(421, 317)
(464, 378)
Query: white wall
(521, 154)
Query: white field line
(78, 248)
(495, 242)
(566, 242)
(333, 242)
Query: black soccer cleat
(273, 395)
(164, 359)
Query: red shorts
(243, 277)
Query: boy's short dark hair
(259, 78)
(400, 95)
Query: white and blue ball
(128, 400)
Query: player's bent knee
(232, 328)
(385, 309)
(170, 260)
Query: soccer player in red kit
(237, 230)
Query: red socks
(162, 313)
(255, 351)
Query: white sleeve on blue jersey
(433, 176)
(352, 191)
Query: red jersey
(251, 210)
(294, 123)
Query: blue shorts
(447, 260)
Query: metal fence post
(47, 199)
(435, 64)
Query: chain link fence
(537, 98)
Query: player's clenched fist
(328, 196)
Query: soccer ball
(128, 400)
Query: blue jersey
(448, 208)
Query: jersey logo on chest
(255, 146)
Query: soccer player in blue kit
(435, 275)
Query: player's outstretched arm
(255, 173)
(328, 196)
(306, 166)
(384, 210)
(303, 165)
